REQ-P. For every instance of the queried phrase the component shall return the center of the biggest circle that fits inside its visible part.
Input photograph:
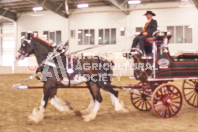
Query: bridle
(23, 45)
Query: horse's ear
(35, 34)
(29, 36)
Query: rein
(92, 47)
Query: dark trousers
(139, 39)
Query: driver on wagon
(149, 29)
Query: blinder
(22, 52)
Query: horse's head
(25, 50)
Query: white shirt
(149, 20)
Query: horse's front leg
(49, 91)
(38, 113)
(58, 103)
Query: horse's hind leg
(119, 105)
(92, 102)
(98, 99)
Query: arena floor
(16, 105)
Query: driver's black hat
(150, 12)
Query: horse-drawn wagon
(156, 70)
(156, 93)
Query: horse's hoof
(36, 116)
(34, 119)
(123, 110)
(89, 117)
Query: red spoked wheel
(190, 91)
(167, 101)
(142, 100)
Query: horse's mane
(41, 49)
(42, 41)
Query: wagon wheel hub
(142, 100)
(166, 100)
(144, 97)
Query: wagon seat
(148, 42)
(148, 45)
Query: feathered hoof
(89, 117)
(36, 116)
(121, 108)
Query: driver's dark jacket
(151, 28)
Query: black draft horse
(41, 49)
